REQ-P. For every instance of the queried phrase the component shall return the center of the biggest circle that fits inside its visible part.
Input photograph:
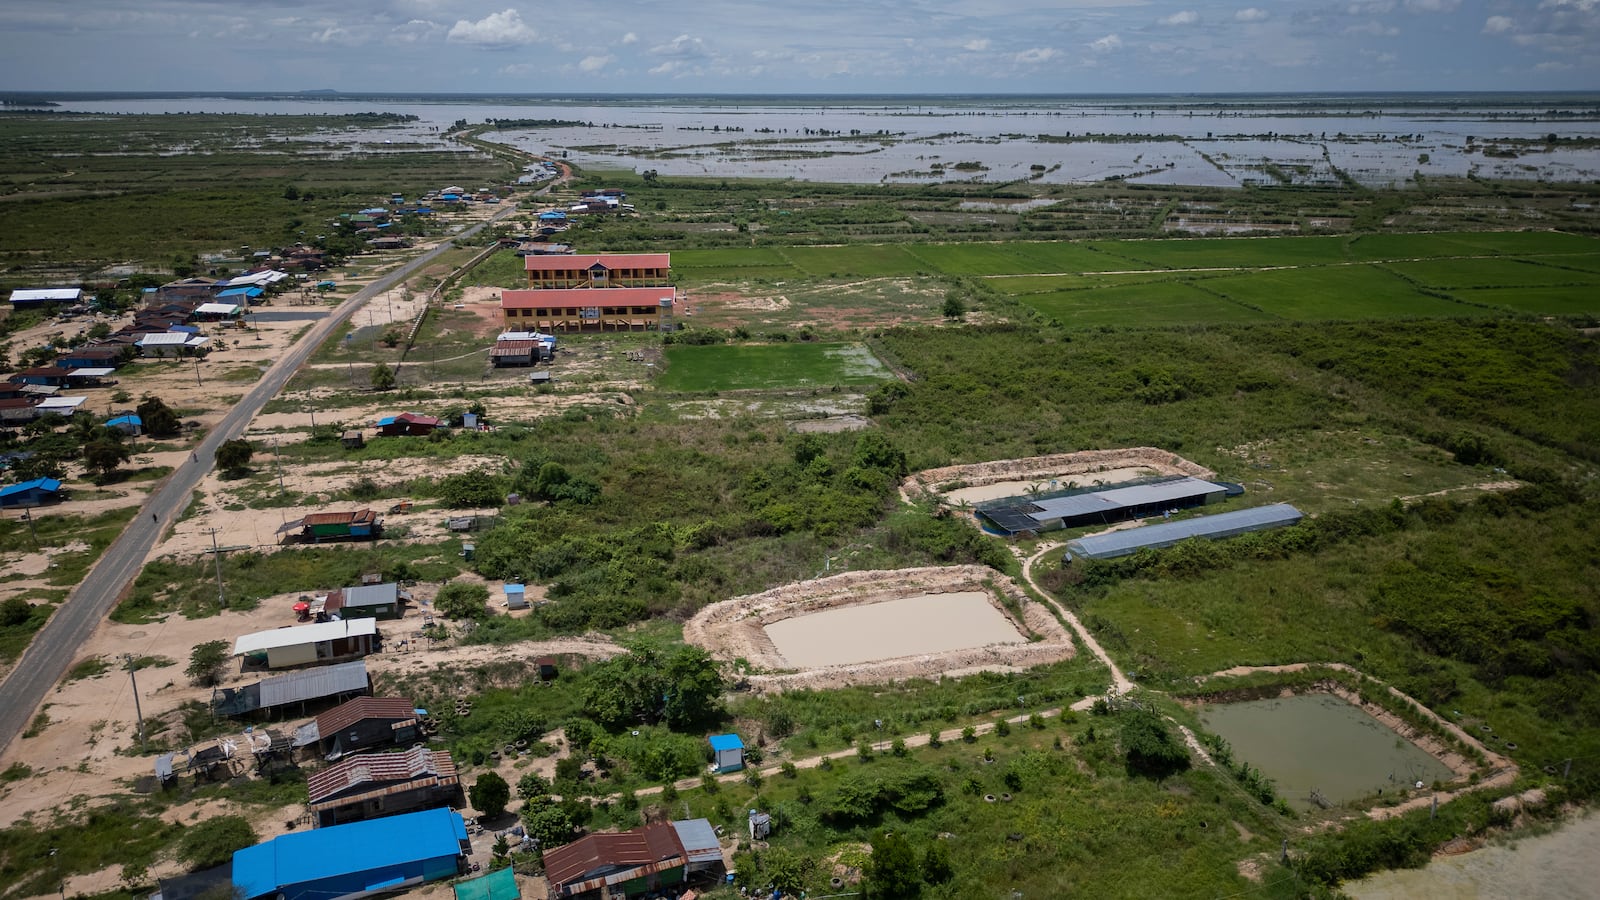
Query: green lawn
(1158, 303)
(769, 366)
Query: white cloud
(595, 63)
(1432, 6)
(1106, 44)
(1250, 14)
(1182, 17)
(496, 31)
(630, 38)
(1499, 25)
(681, 47)
(667, 68)
(414, 31)
(519, 69)
(976, 45)
(1373, 29)
(1036, 55)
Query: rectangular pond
(1320, 742)
(906, 626)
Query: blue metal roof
(386, 420)
(515, 589)
(1228, 524)
(43, 484)
(340, 850)
(721, 742)
(242, 292)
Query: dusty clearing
(976, 482)
(737, 628)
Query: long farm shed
(1221, 525)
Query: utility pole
(33, 535)
(197, 372)
(276, 465)
(216, 557)
(138, 714)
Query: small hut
(727, 751)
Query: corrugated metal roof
(297, 635)
(583, 298)
(613, 858)
(699, 841)
(41, 295)
(720, 742)
(382, 774)
(371, 594)
(345, 850)
(1165, 534)
(43, 484)
(323, 681)
(337, 518)
(1109, 501)
(344, 715)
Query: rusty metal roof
(380, 774)
(598, 859)
(344, 715)
(338, 518)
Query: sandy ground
(1555, 866)
(975, 482)
(734, 629)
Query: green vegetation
(212, 842)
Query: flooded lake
(1228, 141)
(908, 626)
(1318, 742)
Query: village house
(366, 722)
(408, 423)
(300, 645)
(374, 785)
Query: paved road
(51, 653)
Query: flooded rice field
(908, 626)
(1217, 141)
(1320, 743)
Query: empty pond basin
(1318, 742)
(907, 626)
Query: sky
(800, 46)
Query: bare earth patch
(1084, 466)
(737, 628)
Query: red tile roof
(582, 298)
(609, 260)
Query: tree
(213, 842)
(892, 870)
(103, 455)
(936, 867)
(1151, 748)
(954, 307)
(15, 611)
(157, 419)
(470, 490)
(682, 687)
(382, 377)
(532, 786)
(205, 662)
(462, 600)
(490, 794)
(547, 822)
(234, 456)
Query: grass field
(770, 366)
(1336, 292)
(1452, 274)
(1228, 253)
(1154, 304)
(1547, 301)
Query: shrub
(205, 663)
(213, 842)
(490, 794)
(462, 600)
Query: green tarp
(501, 885)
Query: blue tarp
(342, 853)
(124, 420)
(242, 292)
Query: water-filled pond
(907, 626)
(1319, 742)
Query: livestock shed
(374, 785)
(1099, 506)
(318, 527)
(35, 297)
(380, 601)
(353, 860)
(309, 644)
(1165, 534)
(340, 681)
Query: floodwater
(908, 626)
(1318, 742)
(1554, 866)
(1224, 142)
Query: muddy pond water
(907, 626)
(1318, 742)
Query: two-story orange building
(598, 292)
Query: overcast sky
(808, 46)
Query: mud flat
(863, 627)
(1560, 864)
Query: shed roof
(371, 595)
(46, 295)
(721, 742)
(222, 309)
(90, 372)
(307, 856)
(514, 348)
(699, 841)
(608, 260)
(346, 714)
(38, 484)
(338, 518)
(380, 773)
(580, 298)
(1113, 499)
(1165, 534)
(600, 855)
(297, 635)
